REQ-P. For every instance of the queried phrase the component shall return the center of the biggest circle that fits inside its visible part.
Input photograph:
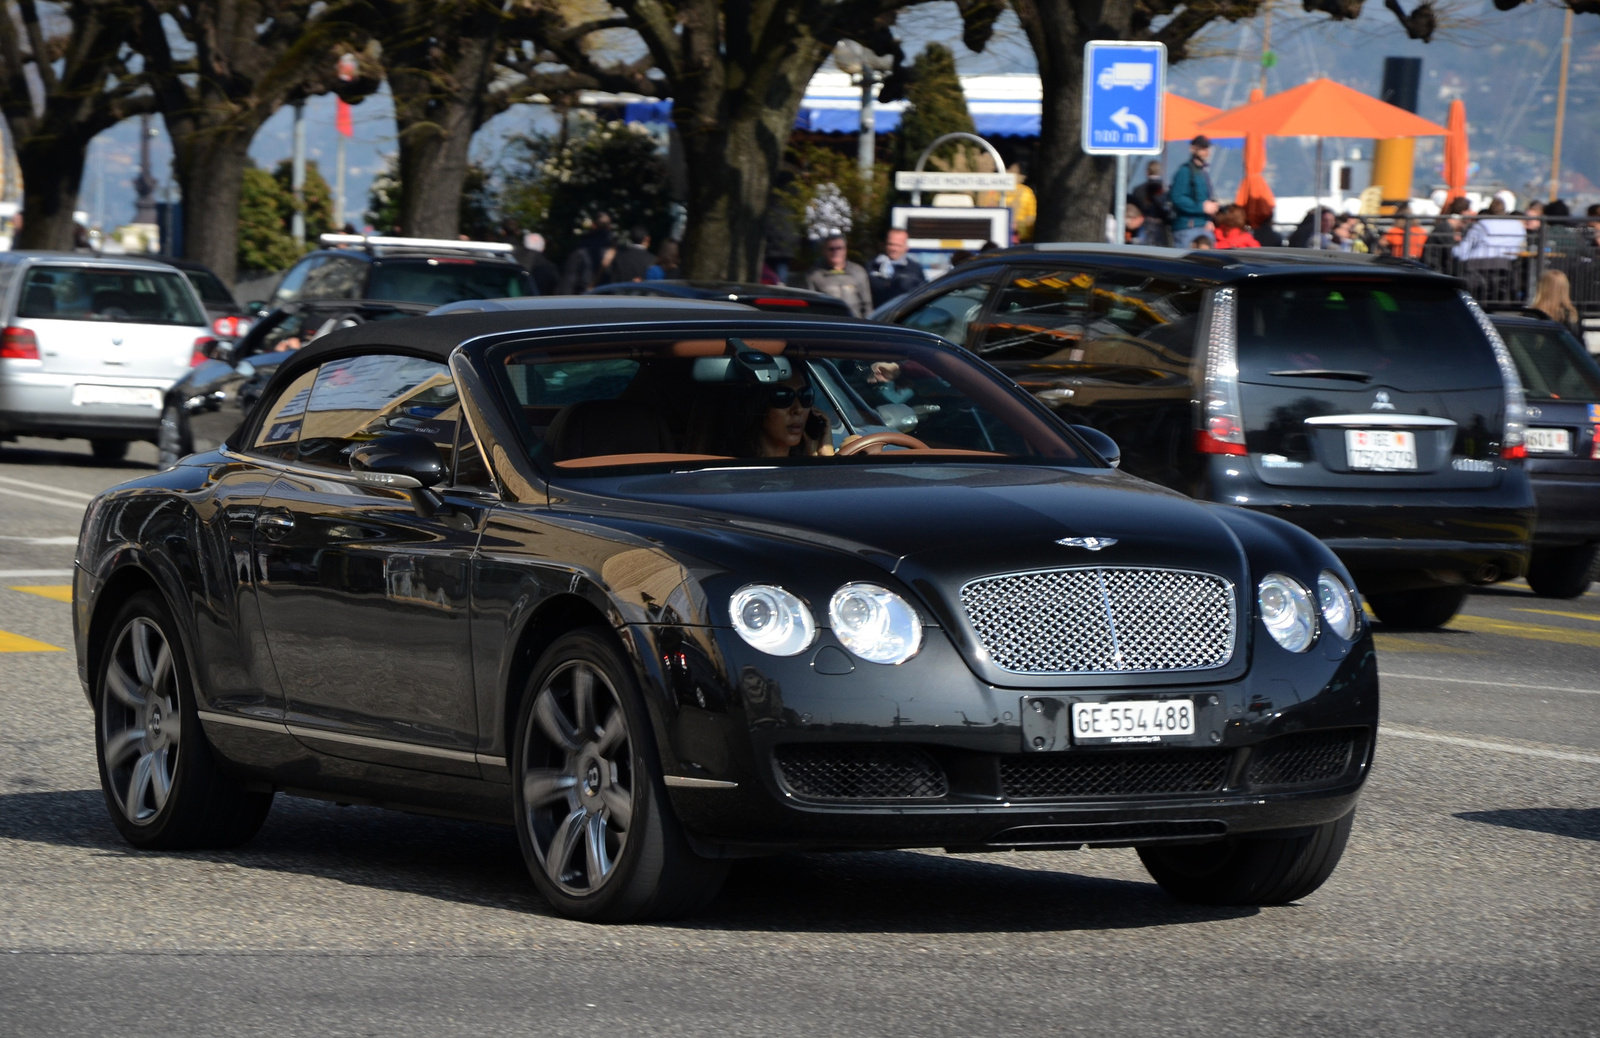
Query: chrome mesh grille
(1100, 620)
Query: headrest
(591, 428)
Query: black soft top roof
(435, 336)
(1217, 265)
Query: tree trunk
(209, 164)
(435, 144)
(733, 143)
(52, 169)
(1074, 189)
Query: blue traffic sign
(1124, 97)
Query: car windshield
(698, 402)
(1551, 363)
(446, 280)
(109, 294)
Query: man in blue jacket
(1191, 195)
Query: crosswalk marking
(58, 592)
(17, 643)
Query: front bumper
(783, 715)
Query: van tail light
(204, 348)
(231, 327)
(1220, 418)
(19, 344)
(1512, 445)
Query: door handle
(275, 524)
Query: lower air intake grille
(861, 772)
(1048, 776)
(1303, 759)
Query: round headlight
(1338, 605)
(772, 620)
(875, 623)
(1287, 612)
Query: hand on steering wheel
(873, 443)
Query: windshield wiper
(1347, 376)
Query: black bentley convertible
(663, 584)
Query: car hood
(955, 522)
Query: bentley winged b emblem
(1092, 543)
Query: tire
(597, 832)
(164, 789)
(1422, 608)
(108, 451)
(1561, 572)
(1249, 870)
(173, 442)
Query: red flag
(342, 120)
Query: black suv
(1562, 383)
(1367, 400)
(404, 270)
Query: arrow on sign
(1123, 118)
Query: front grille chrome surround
(1104, 620)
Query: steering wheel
(874, 443)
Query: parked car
(641, 581)
(1364, 399)
(403, 270)
(1562, 384)
(204, 407)
(773, 298)
(91, 344)
(229, 320)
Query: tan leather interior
(601, 460)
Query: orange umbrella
(1254, 192)
(1183, 117)
(1455, 153)
(1320, 108)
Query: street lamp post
(297, 175)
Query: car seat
(591, 428)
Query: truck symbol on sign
(1136, 74)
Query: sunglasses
(781, 398)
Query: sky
(1503, 64)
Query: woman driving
(789, 426)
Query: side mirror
(899, 417)
(404, 461)
(1101, 444)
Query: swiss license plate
(1132, 720)
(131, 396)
(1380, 449)
(1548, 441)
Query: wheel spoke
(162, 667)
(619, 806)
(594, 850)
(554, 723)
(160, 781)
(138, 783)
(615, 730)
(123, 687)
(143, 662)
(171, 721)
(121, 746)
(544, 786)
(583, 700)
(563, 843)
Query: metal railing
(1500, 266)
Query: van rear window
(1408, 334)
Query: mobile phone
(817, 426)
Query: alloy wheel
(578, 778)
(140, 721)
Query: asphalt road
(1465, 905)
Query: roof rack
(373, 242)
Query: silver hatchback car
(90, 344)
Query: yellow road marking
(58, 592)
(1533, 632)
(1396, 643)
(1557, 612)
(17, 643)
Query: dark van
(1367, 400)
(1562, 384)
